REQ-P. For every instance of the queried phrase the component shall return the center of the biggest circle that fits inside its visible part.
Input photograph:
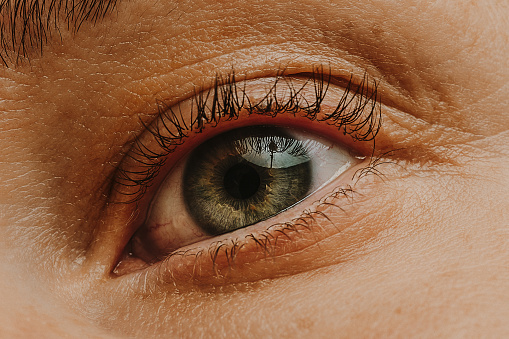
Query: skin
(423, 251)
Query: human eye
(235, 180)
(244, 171)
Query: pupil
(241, 181)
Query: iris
(244, 176)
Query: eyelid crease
(358, 114)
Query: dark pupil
(241, 181)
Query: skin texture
(422, 251)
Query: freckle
(398, 310)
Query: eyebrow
(26, 25)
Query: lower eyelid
(272, 248)
(243, 259)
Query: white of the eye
(168, 224)
(328, 159)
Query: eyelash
(171, 129)
(268, 239)
(357, 114)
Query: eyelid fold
(345, 114)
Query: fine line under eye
(357, 113)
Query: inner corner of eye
(237, 179)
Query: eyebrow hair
(26, 25)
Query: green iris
(244, 176)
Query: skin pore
(421, 249)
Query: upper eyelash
(171, 128)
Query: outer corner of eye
(230, 182)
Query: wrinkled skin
(422, 251)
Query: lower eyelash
(215, 264)
(221, 263)
(358, 114)
(212, 264)
(267, 241)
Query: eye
(236, 180)
(219, 172)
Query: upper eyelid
(170, 128)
